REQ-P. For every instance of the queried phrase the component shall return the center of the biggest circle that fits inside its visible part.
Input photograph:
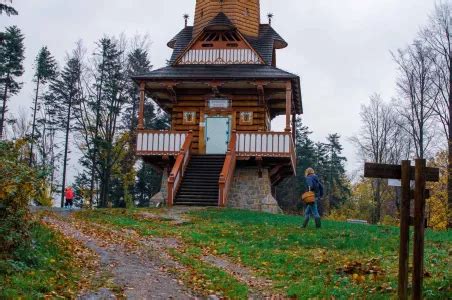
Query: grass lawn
(340, 260)
(47, 270)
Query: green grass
(44, 270)
(301, 263)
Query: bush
(19, 185)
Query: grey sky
(340, 48)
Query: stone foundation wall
(248, 191)
(161, 196)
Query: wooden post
(404, 231)
(288, 104)
(419, 216)
(294, 125)
(141, 108)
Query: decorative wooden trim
(180, 58)
(189, 118)
(246, 118)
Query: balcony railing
(178, 171)
(266, 144)
(227, 173)
(153, 142)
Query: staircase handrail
(227, 173)
(177, 173)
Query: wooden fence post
(419, 228)
(404, 231)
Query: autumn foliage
(20, 185)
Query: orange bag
(308, 197)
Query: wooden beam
(261, 94)
(202, 133)
(419, 228)
(404, 231)
(288, 104)
(141, 107)
(372, 170)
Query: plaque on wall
(246, 118)
(219, 103)
(189, 117)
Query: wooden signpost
(420, 174)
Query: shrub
(19, 185)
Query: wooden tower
(222, 89)
(245, 14)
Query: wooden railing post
(288, 104)
(419, 228)
(141, 107)
(404, 231)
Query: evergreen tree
(335, 176)
(104, 106)
(7, 9)
(147, 185)
(65, 91)
(45, 70)
(11, 67)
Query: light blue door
(217, 135)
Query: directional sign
(372, 170)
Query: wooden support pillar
(294, 125)
(141, 107)
(404, 231)
(419, 228)
(288, 104)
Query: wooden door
(217, 135)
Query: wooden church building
(222, 89)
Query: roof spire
(270, 17)
(186, 17)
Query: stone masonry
(161, 196)
(248, 191)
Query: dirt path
(140, 273)
(142, 267)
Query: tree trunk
(449, 165)
(66, 145)
(34, 122)
(2, 120)
(96, 131)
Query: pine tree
(8, 9)
(337, 188)
(65, 90)
(11, 67)
(45, 70)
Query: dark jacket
(313, 184)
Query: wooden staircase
(200, 183)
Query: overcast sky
(340, 48)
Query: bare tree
(437, 35)
(19, 125)
(416, 94)
(380, 140)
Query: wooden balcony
(247, 144)
(160, 143)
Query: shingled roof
(225, 72)
(264, 44)
(220, 20)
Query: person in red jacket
(69, 195)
